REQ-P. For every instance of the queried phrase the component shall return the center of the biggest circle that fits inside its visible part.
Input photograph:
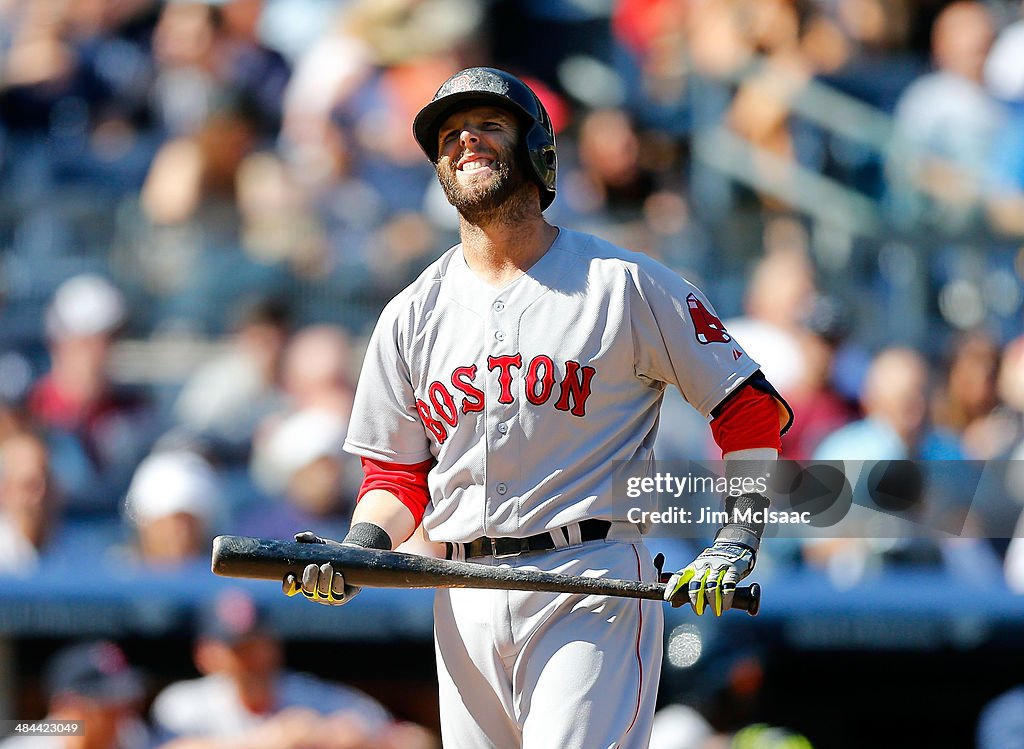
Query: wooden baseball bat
(268, 559)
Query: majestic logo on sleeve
(540, 376)
(709, 329)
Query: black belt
(590, 530)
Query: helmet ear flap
(539, 147)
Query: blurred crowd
(243, 695)
(205, 203)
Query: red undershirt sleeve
(749, 419)
(407, 482)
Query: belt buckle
(503, 555)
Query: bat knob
(748, 599)
(659, 563)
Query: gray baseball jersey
(528, 395)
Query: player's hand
(320, 583)
(711, 578)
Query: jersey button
(499, 306)
(499, 335)
(501, 488)
(503, 428)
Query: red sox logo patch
(461, 83)
(475, 80)
(709, 329)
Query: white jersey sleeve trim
(388, 456)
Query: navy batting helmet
(475, 86)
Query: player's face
(476, 164)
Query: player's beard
(505, 197)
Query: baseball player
(498, 393)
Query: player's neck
(501, 252)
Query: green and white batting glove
(711, 578)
